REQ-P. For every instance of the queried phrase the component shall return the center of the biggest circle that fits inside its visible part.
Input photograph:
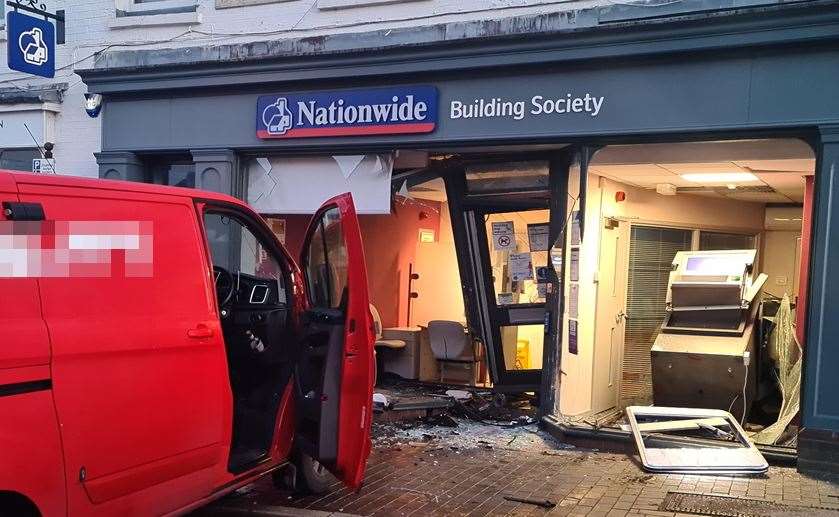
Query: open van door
(335, 368)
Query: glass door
(501, 216)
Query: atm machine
(705, 353)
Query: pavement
(417, 470)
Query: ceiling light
(720, 177)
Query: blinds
(725, 241)
(651, 253)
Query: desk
(404, 362)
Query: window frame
(318, 228)
(153, 7)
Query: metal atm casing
(699, 357)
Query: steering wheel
(225, 287)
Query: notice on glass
(575, 228)
(573, 300)
(543, 275)
(278, 228)
(521, 267)
(572, 336)
(575, 265)
(503, 236)
(542, 290)
(538, 235)
(505, 298)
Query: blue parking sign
(31, 44)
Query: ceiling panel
(631, 171)
(699, 168)
(798, 165)
(761, 197)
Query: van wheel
(312, 476)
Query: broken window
(695, 441)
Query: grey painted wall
(778, 90)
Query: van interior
(255, 316)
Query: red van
(160, 348)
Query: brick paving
(435, 479)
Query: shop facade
(763, 72)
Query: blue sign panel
(31, 44)
(385, 111)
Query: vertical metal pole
(555, 300)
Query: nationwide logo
(277, 117)
(355, 112)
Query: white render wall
(92, 25)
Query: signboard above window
(383, 111)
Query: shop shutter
(651, 253)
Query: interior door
(335, 369)
(610, 315)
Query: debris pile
(454, 420)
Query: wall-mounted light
(426, 235)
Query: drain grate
(728, 506)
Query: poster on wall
(575, 228)
(572, 336)
(503, 236)
(573, 300)
(575, 265)
(537, 234)
(521, 266)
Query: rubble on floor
(455, 420)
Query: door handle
(200, 332)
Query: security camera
(93, 104)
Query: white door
(610, 315)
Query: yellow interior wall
(440, 295)
(640, 206)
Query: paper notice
(575, 265)
(521, 267)
(575, 228)
(505, 298)
(538, 234)
(503, 236)
(572, 336)
(573, 300)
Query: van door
(138, 365)
(32, 458)
(335, 369)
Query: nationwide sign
(385, 111)
(31, 44)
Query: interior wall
(640, 206)
(390, 246)
(781, 254)
(440, 296)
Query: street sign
(31, 44)
(41, 166)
